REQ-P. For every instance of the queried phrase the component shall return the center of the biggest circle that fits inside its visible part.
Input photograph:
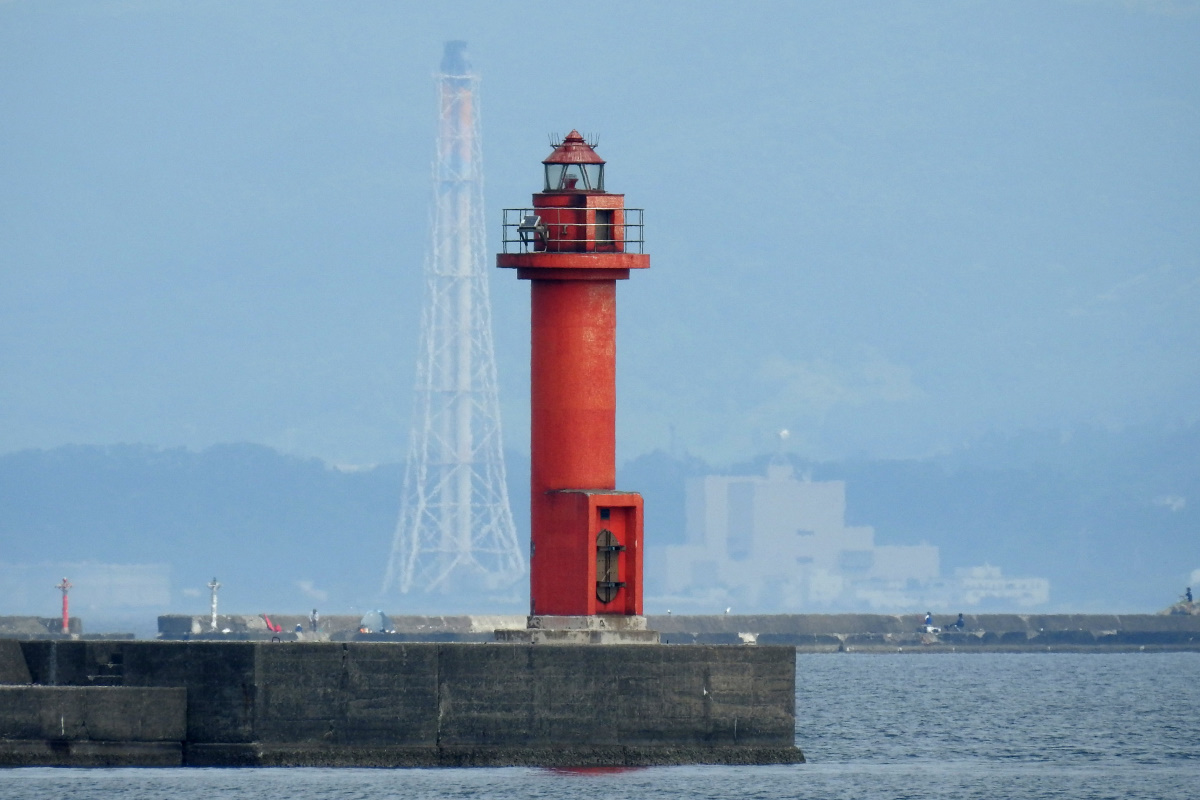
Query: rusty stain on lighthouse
(573, 246)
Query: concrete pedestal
(592, 629)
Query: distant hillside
(1112, 519)
(279, 532)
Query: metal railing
(525, 231)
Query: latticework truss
(456, 526)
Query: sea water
(959, 726)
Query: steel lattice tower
(455, 521)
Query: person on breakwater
(314, 620)
(958, 623)
(928, 619)
(1188, 595)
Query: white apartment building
(778, 542)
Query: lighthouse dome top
(574, 149)
(574, 166)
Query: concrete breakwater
(338, 627)
(815, 633)
(38, 627)
(91, 726)
(806, 632)
(397, 704)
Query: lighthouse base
(591, 629)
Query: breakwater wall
(423, 704)
(38, 627)
(338, 627)
(815, 633)
(806, 632)
(96, 726)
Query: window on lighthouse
(574, 178)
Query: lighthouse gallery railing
(629, 235)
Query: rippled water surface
(873, 726)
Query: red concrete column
(573, 402)
(574, 391)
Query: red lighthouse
(573, 246)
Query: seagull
(729, 609)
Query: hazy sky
(890, 227)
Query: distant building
(781, 543)
(986, 583)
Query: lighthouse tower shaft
(573, 245)
(456, 528)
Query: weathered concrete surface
(374, 704)
(569, 636)
(495, 704)
(220, 679)
(844, 624)
(103, 714)
(91, 726)
(341, 627)
(1183, 607)
(617, 696)
(275, 755)
(13, 668)
(584, 629)
(38, 627)
(814, 633)
(810, 632)
(75, 662)
(66, 753)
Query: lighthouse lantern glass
(574, 177)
